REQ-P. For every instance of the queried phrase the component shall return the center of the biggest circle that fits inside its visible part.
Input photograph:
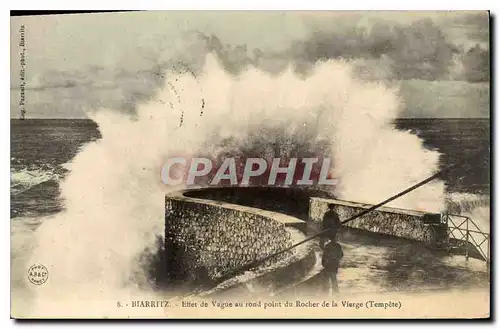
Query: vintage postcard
(284, 165)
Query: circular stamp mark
(38, 274)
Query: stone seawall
(210, 232)
(408, 224)
(290, 201)
(208, 239)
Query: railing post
(448, 231)
(467, 239)
(488, 253)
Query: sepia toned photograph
(250, 165)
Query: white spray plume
(114, 196)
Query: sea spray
(474, 206)
(114, 195)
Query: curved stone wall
(210, 232)
(402, 223)
(208, 239)
(290, 201)
(310, 204)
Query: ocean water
(461, 142)
(42, 148)
(87, 200)
(39, 151)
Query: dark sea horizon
(41, 147)
(41, 155)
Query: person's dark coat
(332, 254)
(331, 222)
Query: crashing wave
(474, 206)
(21, 181)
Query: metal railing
(257, 262)
(462, 228)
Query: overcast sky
(128, 41)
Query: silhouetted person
(331, 221)
(332, 254)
